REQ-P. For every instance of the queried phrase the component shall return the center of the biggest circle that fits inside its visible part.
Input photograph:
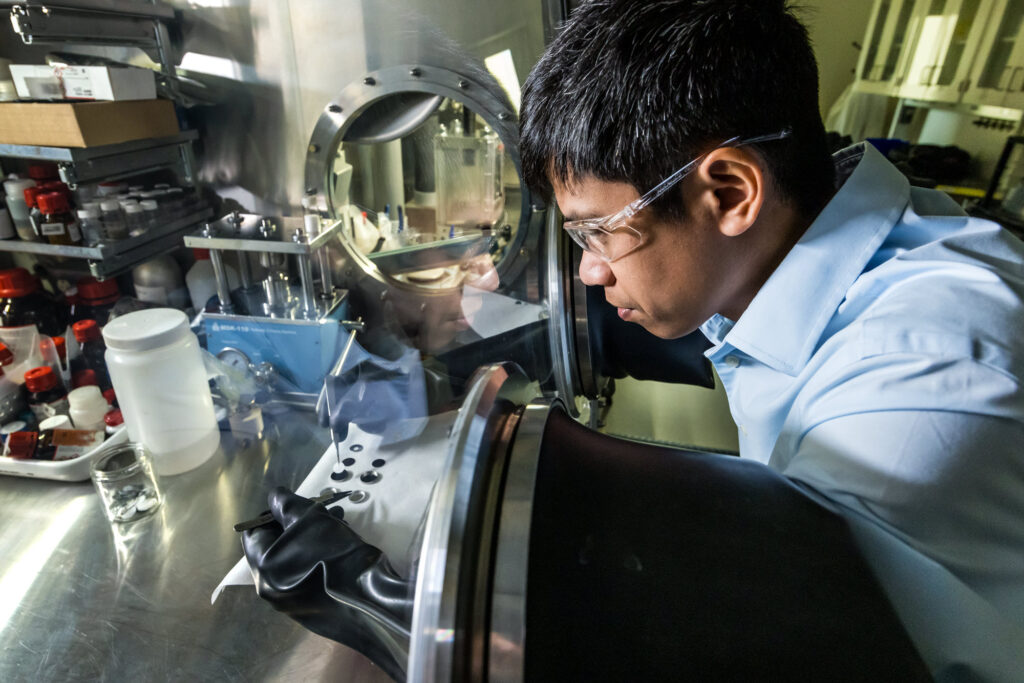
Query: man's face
(674, 281)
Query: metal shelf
(99, 22)
(112, 258)
(152, 10)
(278, 246)
(110, 162)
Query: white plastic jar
(87, 407)
(158, 375)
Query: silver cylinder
(244, 269)
(223, 287)
(308, 293)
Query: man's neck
(783, 226)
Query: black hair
(630, 90)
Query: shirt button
(732, 361)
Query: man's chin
(663, 331)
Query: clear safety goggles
(612, 237)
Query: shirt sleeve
(936, 501)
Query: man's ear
(733, 188)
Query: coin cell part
(370, 477)
(359, 497)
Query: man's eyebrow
(585, 216)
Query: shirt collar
(783, 324)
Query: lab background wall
(836, 28)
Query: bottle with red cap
(59, 225)
(96, 299)
(23, 304)
(87, 333)
(31, 195)
(46, 396)
(44, 172)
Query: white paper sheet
(490, 314)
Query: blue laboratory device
(301, 350)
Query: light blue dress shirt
(880, 367)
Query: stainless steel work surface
(82, 600)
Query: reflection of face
(672, 283)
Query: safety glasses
(612, 237)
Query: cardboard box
(85, 124)
(59, 82)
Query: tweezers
(267, 517)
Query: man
(866, 332)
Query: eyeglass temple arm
(668, 182)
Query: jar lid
(132, 208)
(146, 330)
(40, 379)
(110, 396)
(114, 418)
(42, 171)
(17, 282)
(149, 205)
(30, 194)
(61, 345)
(55, 422)
(52, 202)
(84, 378)
(86, 330)
(6, 355)
(57, 186)
(110, 205)
(94, 291)
(12, 427)
(83, 396)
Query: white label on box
(77, 84)
(51, 228)
(153, 295)
(46, 88)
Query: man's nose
(595, 271)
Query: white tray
(63, 470)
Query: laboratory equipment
(160, 380)
(283, 329)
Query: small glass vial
(134, 219)
(150, 213)
(92, 228)
(58, 224)
(176, 202)
(112, 220)
(127, 484)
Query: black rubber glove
(310, 565)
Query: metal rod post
(244, 269)
(323, 263)
(223, 287)
(306, 274)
